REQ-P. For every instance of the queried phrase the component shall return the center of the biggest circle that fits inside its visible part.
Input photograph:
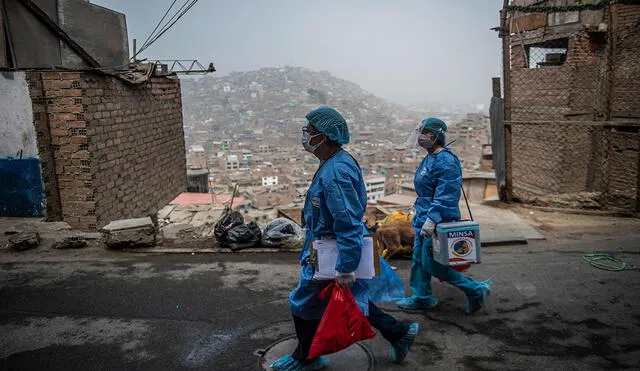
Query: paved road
(94, 310)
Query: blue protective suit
(438, 183)
(333, 208)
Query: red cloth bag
(342, 323)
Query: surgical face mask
(426, 141)
(306, 138)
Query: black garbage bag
(283, 233)
(227, 221)
(244, 236)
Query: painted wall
(21, 188)
(16, 117)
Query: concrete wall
(21, 188)
(118, 149)
(16, 117)
(474, 189)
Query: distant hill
(245, 100)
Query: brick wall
(137, 143)
(118, 148)
(575, 157)
(625, 95)
(561, 141)
(540, 93)
(46, 148)
(622, 175)
(566, 92)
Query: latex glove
(428, 229)
(346, 279)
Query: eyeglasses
(305, 129)
(427, 132)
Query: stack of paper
(327, 256)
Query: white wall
(16, 117)
(269, 180)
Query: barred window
(548, 53)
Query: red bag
(342, 323)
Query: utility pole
(506, 68)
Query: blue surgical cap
(436, 126)
(331, 123)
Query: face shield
(412, 141)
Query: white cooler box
(457, 243)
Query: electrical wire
(152, 36)
(158, 25)
(172, 21)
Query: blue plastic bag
(386, 287)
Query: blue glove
(428, 229)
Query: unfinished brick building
(108, 150)
(109, 138)
(572, 102)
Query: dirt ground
(560, 227)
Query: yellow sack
(396, 216)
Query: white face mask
(306, 138)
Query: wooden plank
(529, 22)
(495, 87)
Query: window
(548, 53)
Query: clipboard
(376, 255)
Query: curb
(217, 250)
(222, 250)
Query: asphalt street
(104, 310)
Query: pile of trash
(231, 231)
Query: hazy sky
(420, 51)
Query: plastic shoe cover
(288, 363)
(400, 349)
(318, 363)
(415, 303)
(475, 304)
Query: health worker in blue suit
(438, 183)
(334, 207)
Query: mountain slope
(249, 100)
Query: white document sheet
(327, 256)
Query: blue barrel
(21, 188)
